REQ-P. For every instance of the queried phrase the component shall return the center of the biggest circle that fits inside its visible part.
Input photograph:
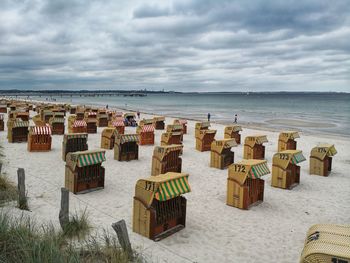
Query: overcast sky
(184, 45)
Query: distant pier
(71, 94)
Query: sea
(316, 113)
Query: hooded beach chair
(79, 126)
(84, 171)
(126, 147)
(244, 184)
(221, 155)
(46, 115)
(3, 108)
(175, 128)
(119, 124)
(254, 148)
(102, 118)
(285, 169)
(166, 159)
(169, 138)
(108, 138)
(286, 140)
(17, 130)
(91, 124)
(146, 134)
(57, 123)
(233, 132)
(74, 142)
(130, 119)
(183, 123)
(321, 159)
(159, 122)
(159, 205)
(204, 139)
(327, 243)
(39, 138)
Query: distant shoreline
(16, 92)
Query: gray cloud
(150, 11)
(176, 45)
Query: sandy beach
(272, 231)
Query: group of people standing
(235, 119)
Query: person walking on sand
(208, 116)
(138, 114)
(236, 117)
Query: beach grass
(78, 225)
(110, 252)
(23, 240)
(8, 190)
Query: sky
(182, 45)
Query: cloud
(146, 11)
(200, 45)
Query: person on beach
(138, 114)
(107, 106)
(208, 116)
(236, 117)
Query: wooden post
(0, 168)
(123, 237)
(22, 199)
(64, 211)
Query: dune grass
(78, 225)
(8, 190)
(110, 251)
(22, 240)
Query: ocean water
(311, 112)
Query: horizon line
(9, 91)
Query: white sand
(273, 231)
